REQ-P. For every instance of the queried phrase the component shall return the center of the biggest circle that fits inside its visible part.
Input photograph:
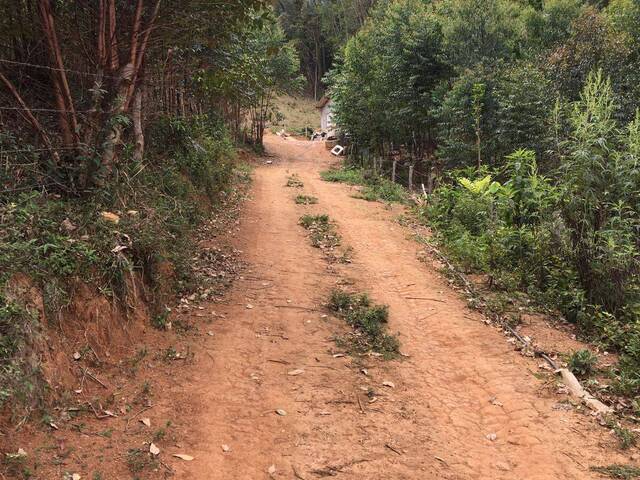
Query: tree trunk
(114, 57)
(115, 132)
(66, 115)
(138, 134)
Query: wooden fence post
(393, 171)
(411, 178)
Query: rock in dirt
(154, 450)
(281, 412)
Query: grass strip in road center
(369, 322)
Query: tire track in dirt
(433, 424)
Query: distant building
(324, 105)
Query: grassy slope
(298, 112)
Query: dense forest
(520, 120)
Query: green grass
(297, 115)
(351, 176)
(375, 187)
(368, 320)
(305, 200)
(625, 472)
(322, 232)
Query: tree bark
(66, 115)
(139, 56)
(115, 132)
(138, 133)
(114, 57)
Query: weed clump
(368, 320)
(139, 460)
(305, 200)
(626, 438)
(19, 378)
(323, 232)
(294, 181)
(625, 472)
(582, 362)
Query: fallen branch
(578, 391)
(425, 298)
(283, 362)
(332, 471)
(393, 449)
(136, 414)
(94, 378)
(298, 308)
(359, 403)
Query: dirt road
(464, 405)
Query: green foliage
(594, 45)
(255, 67)
(599, 200)
(305, 200)
(481, 30)
(625, 472)
(571, 245)
(381, 89)
(491, 113)
(375, 187)
(19, 374)
(581, 362)
(368, 320)
(549, 26)
(322, 231)
(56, 241)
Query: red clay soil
(460, 403)
(461, 385)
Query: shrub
(582, 362)
(56, 240)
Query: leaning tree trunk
(138, 134)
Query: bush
(582, 362)
(158, 205)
